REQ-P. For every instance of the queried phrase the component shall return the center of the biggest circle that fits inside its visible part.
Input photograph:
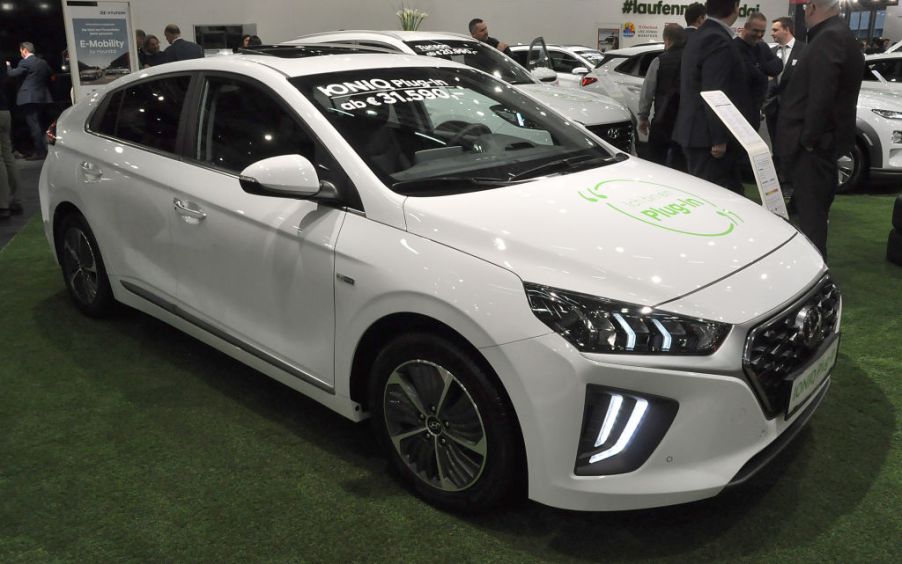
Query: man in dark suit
(789, 50)
(179, 49)
(661, 91)
(760, 65)
(711, 61)
(695, 16)
(33, 95)
(817, 115)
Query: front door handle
(188, 210)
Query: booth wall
(513, 21)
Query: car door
(257, 269)
(129, 172)
(564, 64)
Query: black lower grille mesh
(785, 343)
(619, 135)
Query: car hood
(588, 108)
(880, 96)
(631, 231)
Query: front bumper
(718, 429)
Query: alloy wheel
(434, 425)
(80, 265)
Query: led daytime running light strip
(631, 426)
(609, 419)
(630, 334)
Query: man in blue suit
(711, 61)
(179, 49)
(33, 94)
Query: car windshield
(435, 131)
(477, 55)
(591, 55)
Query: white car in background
(570, 62)
(509, 300)
(878, 148)
(602, 115)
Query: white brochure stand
(759, 153)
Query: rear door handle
(91, 170)
(188, 209)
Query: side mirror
(543, 74)
(580, 70)
(287, 176)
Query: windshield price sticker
(664, 207)
(439, 50)
(360, 94)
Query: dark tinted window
(242, 123)
(149, 112)
(638, 64)
(563, 62)
(889, 70)
(520, 55)
(104, 120)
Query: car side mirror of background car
(580, 70)
(543, 74)
(286, 176)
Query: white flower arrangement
(411, 18)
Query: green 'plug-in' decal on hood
(663, 206)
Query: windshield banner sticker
(663, 206)
(439, 50)
(386, 92)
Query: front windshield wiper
(443, 183)
(570, 164)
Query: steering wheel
(474, 129)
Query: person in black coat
(760, 65)
(179, 49)
(817, 115)
(789, 50)
(711, 61)
(33, 95)
(661, 91)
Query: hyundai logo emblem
(613, 133)
(809, 323)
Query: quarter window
(148, 113)
(241, 124)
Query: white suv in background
(878, 148)
(602, 115)
(570, 62)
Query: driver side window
(241, 124)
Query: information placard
(101, 43)
(754, 145)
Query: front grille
(619, 135)
(780, 346)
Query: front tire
(83, 270)
(444, 423)
(851, 168)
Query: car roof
(883, 56)
(390, 34)
(309, 60)
(639, 49)
(519, 46)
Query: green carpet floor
(124, 440)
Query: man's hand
(717, 151)
(502, 46)
(643, 126)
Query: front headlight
(599, 325)
(888, 114)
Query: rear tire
(444, 423)
(83, 270)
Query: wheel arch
(60, 213)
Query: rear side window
(146, 114)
